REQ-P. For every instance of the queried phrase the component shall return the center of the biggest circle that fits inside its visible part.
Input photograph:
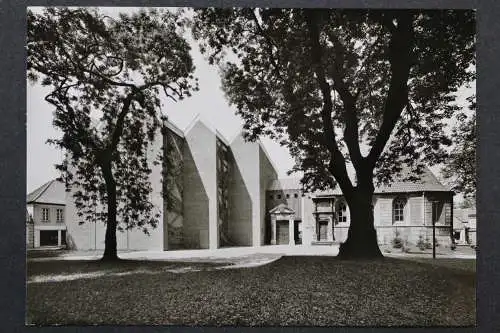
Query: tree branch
(351, 131)
(270, 43)
(118, 130)
(337, 161)
(58, 98)
(400, 54)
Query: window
(288, 196)
(45, 215)
(279, 196)
(296, 195)
(271, 197)
(60, 215)
(342, 212)
(398, 208)
(437, 207)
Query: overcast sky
(209, 102)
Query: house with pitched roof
(407, 210)
(212, 192)
(45, 216)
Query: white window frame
(45, 218)
(398, 210)
(342, 216)
(60, 215)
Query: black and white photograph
(251, 167)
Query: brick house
(45, 216)
(219, 193)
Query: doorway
(298, 232)
(282, 232)
(323, 230)
(48, 237)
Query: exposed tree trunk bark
(361, 240)
(105, 159)
(110, 246)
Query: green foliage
(428, 244)
(469, 201)
(322, 82)
(421, 244)
(460, 168)
(397, 241)
(106, 77)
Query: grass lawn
(290, 291)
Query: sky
(209, 102)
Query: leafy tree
(368, 89)
(107, 77)
(460, 168)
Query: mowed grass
(318, 291)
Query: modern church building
(222, 193)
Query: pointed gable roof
(282, 209)
(52, 192)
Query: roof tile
(427, 182)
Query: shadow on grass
(294, 290)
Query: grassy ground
(289, 291)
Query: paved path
(204, 255)
(250, 256)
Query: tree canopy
(460, 168)
(106, 77)
(339, 87)
(377, 73)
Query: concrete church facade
(218, 193)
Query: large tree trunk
(110, 251)
(361, 240)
